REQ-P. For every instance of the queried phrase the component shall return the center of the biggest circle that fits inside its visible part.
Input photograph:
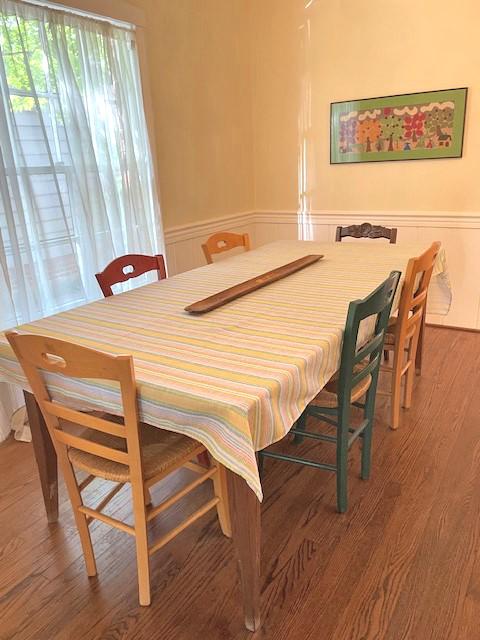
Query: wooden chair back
(38, 354)
(129, 266)
(377, 304)
(366, 230)
(224, 241)
(414, 295)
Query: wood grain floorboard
(402, 564)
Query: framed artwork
(413, 126)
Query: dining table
(236, 378)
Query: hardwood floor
(402, 564)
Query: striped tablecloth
(236, 378)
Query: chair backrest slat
(137, 264)
(85, 419)
(418, 298)
(224, 241)
(39, 354)
(96, 449)
(366, 230)
(367, 370)
(367, 349)
(415, 318)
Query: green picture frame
(412, 126)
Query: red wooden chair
(114, 273)
(126, 267)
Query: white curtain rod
(60, 8)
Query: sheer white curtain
(76, 179)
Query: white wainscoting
(459, 234)
(183, 244)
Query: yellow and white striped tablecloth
(238, 377)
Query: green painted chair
(357, 378)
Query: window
(76, 179)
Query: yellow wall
(308, 53)
(198, 54)
(242, 88)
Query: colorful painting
(413, 126)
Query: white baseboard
(459, 233)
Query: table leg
(45, 456)
(245, 516)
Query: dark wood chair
(129, 266)
(366, 230)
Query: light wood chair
(121, 450)
(404, 330)
(129, 266)
(366, 230)
(224, 241)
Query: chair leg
(80, 518)
(301, 425)
(223, 507)
(409, 378)
(367, 451)
(141, 543)
(342, 453)
(410, 374)
(396, 392)
(419, 349)
(368, 414)
(203, 459)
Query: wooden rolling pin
(239, 290)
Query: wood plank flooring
(402, 564)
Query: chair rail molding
(444, 219)
(208, 226)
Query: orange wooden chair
(121, 450)
(366, 230)
(129, 266)
(404, 330)
(224, 241)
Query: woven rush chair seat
(161, 450)
(390, 335)
(328, 396)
